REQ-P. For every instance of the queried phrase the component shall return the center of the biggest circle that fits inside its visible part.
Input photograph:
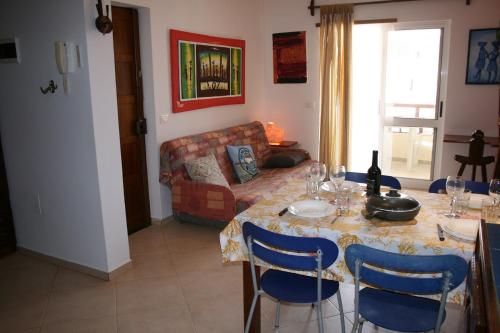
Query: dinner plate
(311, 208)
(476, 200)
(462, 229)
(329, 187)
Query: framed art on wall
(206, 71)
(289, 57)
(482, 59)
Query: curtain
(335, 77)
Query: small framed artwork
(289, 57)
(483, 60)
(206, 71)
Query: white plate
(329, 187)
(311, 208)
(476, 200)
(462, 229)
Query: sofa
(201, 202)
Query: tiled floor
(177, 284)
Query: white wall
(468, 107)
(50, 143)
(224, 18)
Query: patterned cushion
(175, 152)
(269, 181)
(206, 170)
(244, 163)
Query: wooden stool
(475, 158)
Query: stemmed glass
(337, 177)
(318, 174)
(494, 190)
(455, 186)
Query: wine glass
(494, 190)
(318, 174)
(337, 176)
(455, 186)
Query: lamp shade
(274, 133)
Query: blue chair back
(360, 177)
(475, 187)
(396, 262)
(269, 246)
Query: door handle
(441, 109)
(141, 126)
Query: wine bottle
(373, 176)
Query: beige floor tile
(68, 280)
(18, 313)
(293, 313)
(212, 283)
(148, 294)
(331, 324)
(223, 314)
(83, 303)
(139, 246)
(26, 276)
(98, 325)
(148, 266)
(198, 260)
(172, 319)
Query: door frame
(437, 123)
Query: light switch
(163, 118)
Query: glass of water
(455, 186)
(489, 210)
(343, 200)
(494, 190)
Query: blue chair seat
(398, 312)
(295, 288)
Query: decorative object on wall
(206, 71)
(483, 59)
(289, 57)
(51, 88)
(274, 133)
(103, 22)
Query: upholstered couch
(197, 201)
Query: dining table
(415, 237)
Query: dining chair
(360, 177)
(393, 304)
(305, 254)
(439, 186)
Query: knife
(283, 212)
(440, 232)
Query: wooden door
(7, 236)
(131, 117)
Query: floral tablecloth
(414, 237)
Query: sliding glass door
(398, 89)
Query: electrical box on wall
(9, 50)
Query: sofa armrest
(275, 150)
(205, 200)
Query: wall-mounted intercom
(67, 60)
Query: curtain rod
(312, 7)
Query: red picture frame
(182, 105)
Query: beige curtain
(335, 76)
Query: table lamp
(274, 133)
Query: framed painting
(289, 57)
(206, 71)
(482, 59)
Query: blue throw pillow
(244, 163)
